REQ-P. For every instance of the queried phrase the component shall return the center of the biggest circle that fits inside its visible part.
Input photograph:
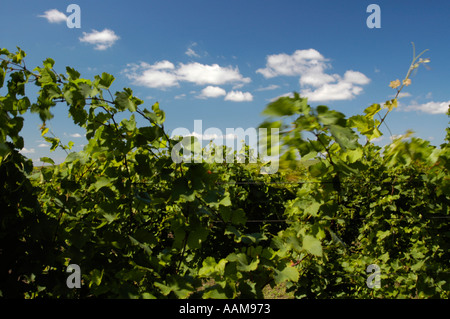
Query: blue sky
(222, 61)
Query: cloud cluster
(318, 85)
(238, 96)
(212, 92)
(54, 16)
(429, 107)
(234, 96)
(102, 40)
(165, 74)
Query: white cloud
(180, 96)
(161, 65)
(158, 75)
(402, 94)
(212, 92)
(317, 78)
(164, 74)
(75, 135)
(238, 96)
(44, 145)
(356, 77)
(27, 151)
(430, 107)
(209, 74)
(101, 39)
(54, 16)
(344, 89)
(327, 92)
(315, 83)
(190, 51)
(268, 88)
(296, 64)
(377, 139)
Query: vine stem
(412, 67)
(182, 252)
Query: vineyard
(140, 225)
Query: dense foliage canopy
(141, 226)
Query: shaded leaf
(312, 245)
(287, 274)
(47, 160)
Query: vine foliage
(140, 225)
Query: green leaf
(2, 77)
(47, 160)
(4, 149)
(215, 292)
(87, 91)
(208, 267)
(49, 63)
(181, 190)
(318, 169)
(372, 110)
(179, 287)
(312, 209)
(286, 106)
(46, 76)
(345, 136)
(130, 125)
(105, 81)
(236, 217)
(287, 274)
(72, 157)
(383, 234)
(124, 101)
(242, 262)
(391, 104)
(96, 277)
(352, 156)
(226, 200)
(55, 142)
(417, 266)
(18, 57)
(329, 117)
(160, 115)
(101, 182)
(150, 133)
(165, 290)
(312, 245)
(73, 74)
(197, 237)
